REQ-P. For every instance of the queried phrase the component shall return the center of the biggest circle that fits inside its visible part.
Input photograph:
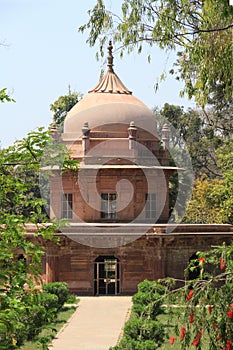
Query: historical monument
(118, 201)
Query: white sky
(44, 53)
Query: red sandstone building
(118, 202)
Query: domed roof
(109, 102)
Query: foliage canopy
(199, 31)
(20, 259)
(212, 199)
(63, 105)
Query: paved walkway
(96, 324)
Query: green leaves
(144, 331)
(198, 312)
(4, 97)
(63, 105)
(20, 259)
(25, 168)
(201, 32)
(212, 199)
(211, 301)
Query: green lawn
(49, 333)
(166, 319)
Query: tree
(219, 112)
(20, 259)
(191, 135)
(212, 199)
(206, 320)
(20, 170)
(63, 105)
(193, 130)
(203, 207)
(198, 310)
(199, 31)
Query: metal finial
(110, 57)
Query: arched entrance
(106, 276)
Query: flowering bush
(207, 302)
(203, 306)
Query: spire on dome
(110, 57)
(110, 83)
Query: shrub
(39, 309)
(50, 302)
(132, 344)
(143, 331)
(148, 299)
(35, 320)
(60, 289)
(72, 299)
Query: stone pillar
(132, 130)
(160, 260)
(85, 137)
(165, 140)
(51, 268)
(56, 191)
(165, 136)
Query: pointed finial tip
(110, 56)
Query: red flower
(210, 309)
(197, 339)
(182, 333)
(218, 337)
(201, 260)
(195, 342)
(215, 325)
(231, 305)
(222, 264)
(191, 317)
(229, 345)
(172, 340)
(230, 314)
(189, 295)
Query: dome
(109, 103)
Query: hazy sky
(44, 53)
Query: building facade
(117, 203)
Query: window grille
(108, 206)
(67, 206)
(150, 208)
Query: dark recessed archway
(195, 271)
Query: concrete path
(96, 324)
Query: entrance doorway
(107, 276)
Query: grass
(46, 335)
(172, 322)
